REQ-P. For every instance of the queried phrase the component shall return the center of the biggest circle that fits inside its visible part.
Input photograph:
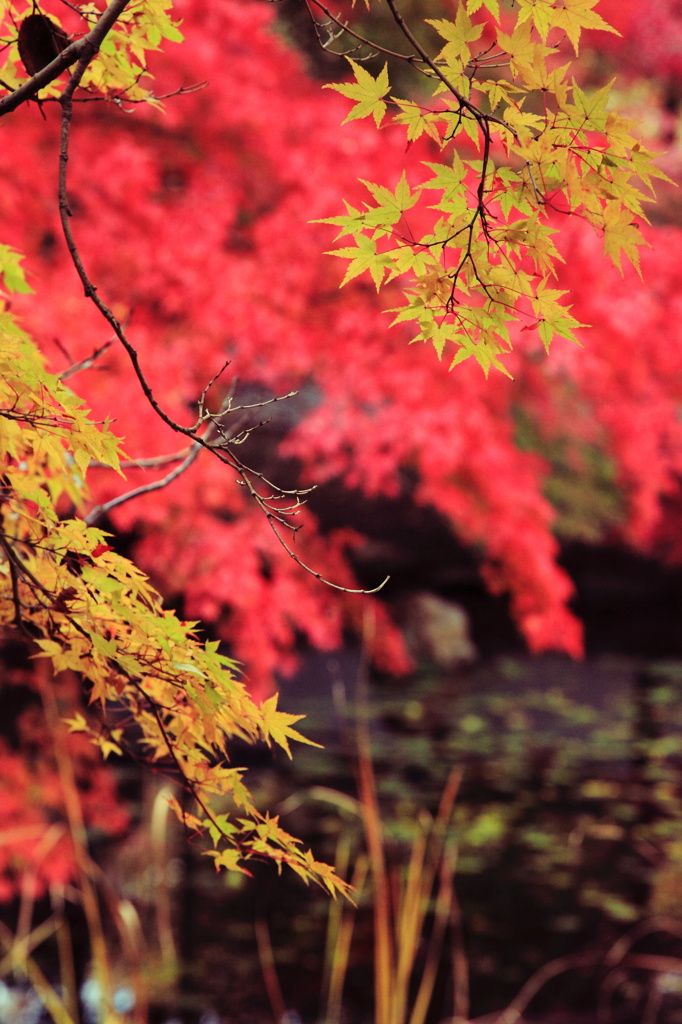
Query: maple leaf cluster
(194, 222)
(89, 617)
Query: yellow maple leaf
(277, 725)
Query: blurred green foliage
(581, 484)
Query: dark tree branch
(81, 52)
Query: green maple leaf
(576, 15)
(492, 5)
(621, 236)
(391, 206)
(11, 272)
(593, 107)
(417, 120)
(363, 257)
(367, 92)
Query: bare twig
(187, 456)
(410, 58)
(85, 364)
(318, 576)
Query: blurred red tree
(194, 223)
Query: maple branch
(16, 569)
(117, 98)
(14, 577)
(80, 52)
(243, 471)
(200, 441)
(484, 120)
(15, 563)
(21, 571)
(480, 214)
(421, 57)
(187, 456)
(90, 290)
(187, 783)
(66, 101)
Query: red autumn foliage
(194, 223)
(649, 43)
(36, 846)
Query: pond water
(568, 829)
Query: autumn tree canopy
(486, 205)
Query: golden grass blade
(441, 917)
(338, 963)
(269, 971)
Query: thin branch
(85, 364)
(89, 288)
(317, 575)
(188, 784)
(156, 485)
(188, 457)
(261, 405)
(14, 576)
(570, 962)
(86, 15)
(119, 97)
(467, 108)
(155, 462)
